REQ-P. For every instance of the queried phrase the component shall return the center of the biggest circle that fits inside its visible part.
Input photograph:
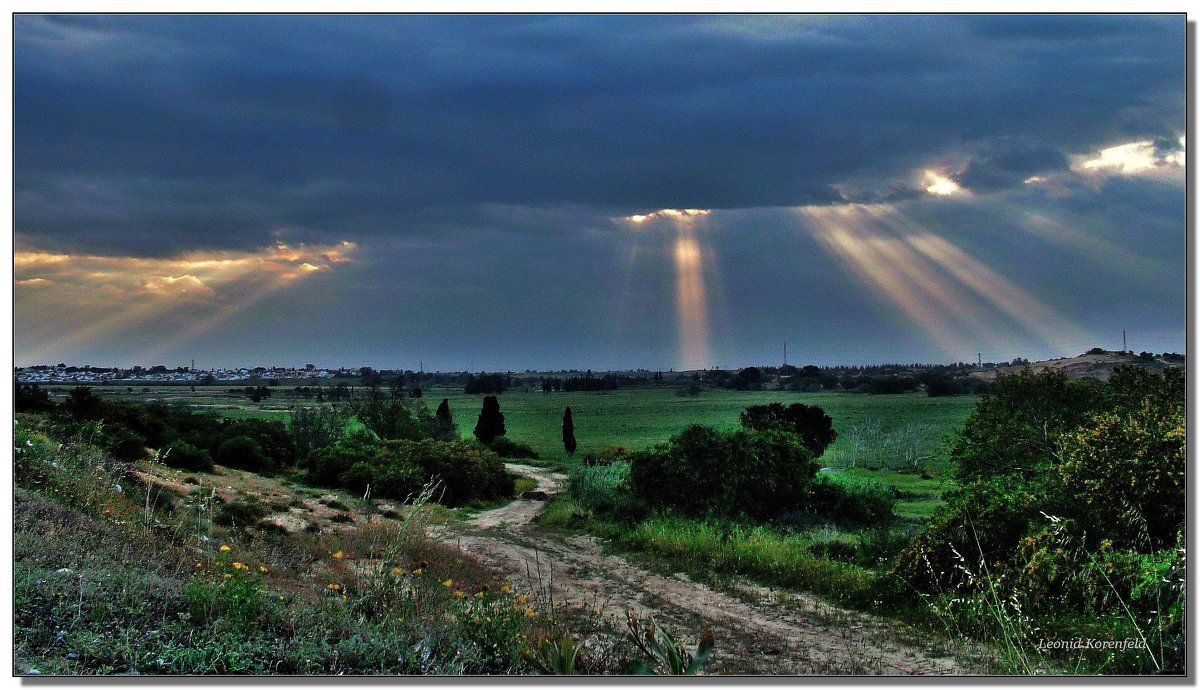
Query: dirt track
(758, 631)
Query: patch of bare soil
(758, 631)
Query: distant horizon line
(420, 368)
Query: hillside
(1088, 365)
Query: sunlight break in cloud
(940, 185)
(678, 214)
(67, 300)
(1135, 158)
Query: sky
(491, 192)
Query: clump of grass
(758, 552)
(240, 514)
(523, 484)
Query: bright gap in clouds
(1133, 158)
(939, 184)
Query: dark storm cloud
(1003, 164)
(149, 134)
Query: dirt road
(758, 631)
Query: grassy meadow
(638, 417)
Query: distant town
(62, 373)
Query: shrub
(123, 444)
(1124, 476)
(325, 466)
(273, 438)
(185, 456)
(506, 448)
(388, 418)
(244, 453)
(849, 500)
(468, 472)
(607, 455)
(314, 428)
(809, 422)
(1015, 428)
(242, 514)
(700, 471)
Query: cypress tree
(491, 421)
(568, 429)
(443, 427)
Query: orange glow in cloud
(64, 301)
(677, 214)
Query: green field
(635, 417)
(640, 417)
(885, 426)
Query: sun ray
(937, 285)
(691, 301)
(95, 296)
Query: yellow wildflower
(199, 565)
(224, 548)
(237, 565)
(505, 588)
(334, 586)
(338, 555)
(397, 570)
(262, 568)
(418, 571)
(529, 612)
(227, 576)
(479, 595)
(458, 594)
(447, 583)
(521, 599)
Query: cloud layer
(447, 147)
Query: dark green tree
(442, 428)
(809, 422)
(491, 421)
(568, 429)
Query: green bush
(1124, 476)
(241, 514)
(703, 471)
(507, 448)
(853, 501)
(607, 455)
(243, 453)
(185, 456)
(1016, 426)
(809, 422)
(273, 438)
(467, 471)
(325, 466)
(1072, 508)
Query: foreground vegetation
(1050, 510)
(132, 568)
(1067, 524)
